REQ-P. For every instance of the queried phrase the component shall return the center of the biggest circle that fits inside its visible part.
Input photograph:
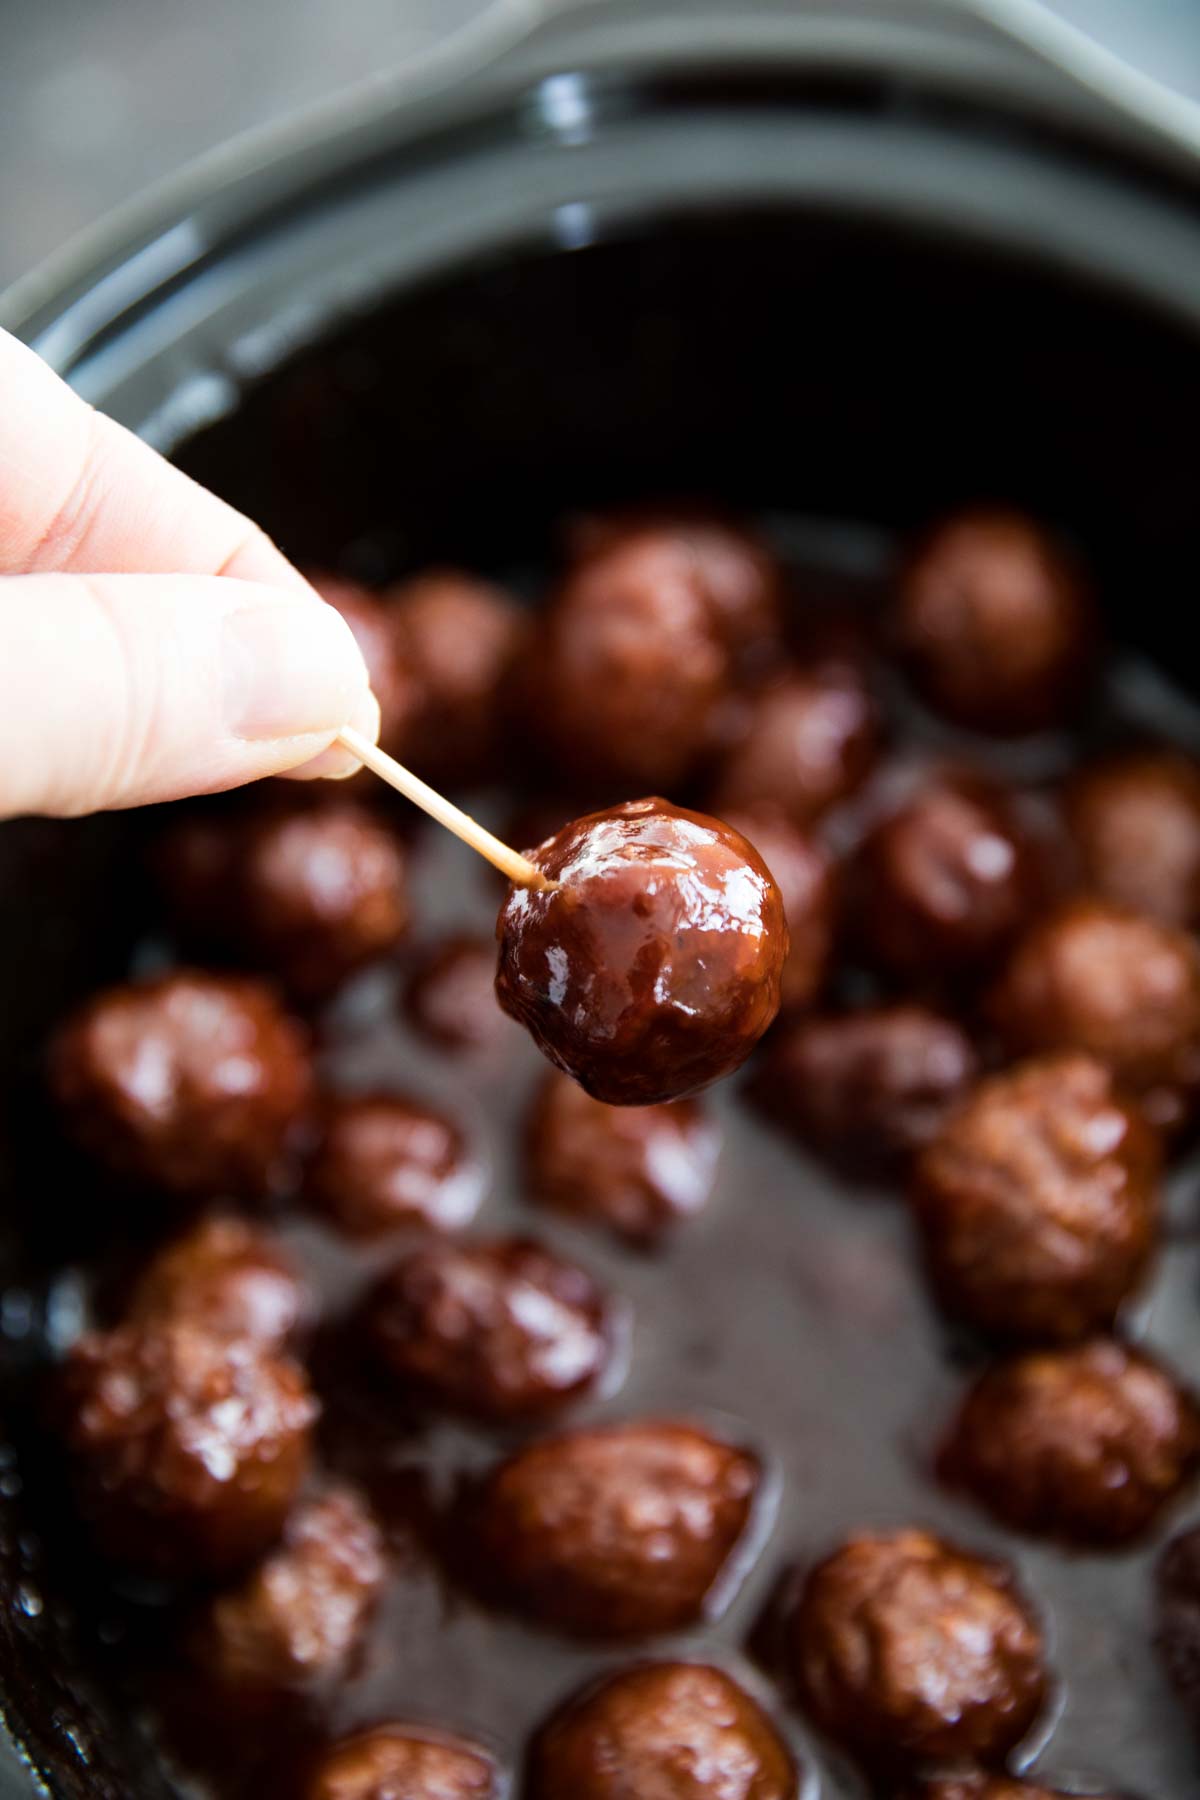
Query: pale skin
(153, 642)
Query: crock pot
(854, 261)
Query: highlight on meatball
(1134, 819)
(1088, 1444)
(808, 741)
(383, 1162)
(1037, 1202)
(653, 964)
(190, 1082)
(617, 1531)
(1094, 976)
(804, 874)
(636, 1170)
(497, 1331)
(908, 1650)
(866, 1089)
(995, 622)
(297, 1619)
(403, 1762)
(227, 1277)
(451, 995)
(677, 1729)
(188, 1449)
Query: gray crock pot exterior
(517, 133)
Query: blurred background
(99, 98)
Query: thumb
(116, 690)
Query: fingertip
(335, 763)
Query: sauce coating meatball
(228, 1278)
(653, 966)
(1038, 1202)
(1087, 1444)
(807, 742)
(618, 1531)
(909, 1650)
(679, 1731)
(869, 1088)
(451, 997)
(456, 640)
(638, 1170)
(188, 1448)
(498, 1331)
(296, 1620)
(403, 1762)
(1135, 823)
(192, 1082)
(1094, 976)
(947, 881)
(1177, 1617)
(995, 622)
(383, 1162)
(803, 872)
(366, 614)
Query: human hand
(153, 642)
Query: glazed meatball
(946, 882)
(498, 1331)
(1135, 824)
(228, 1278)
(618, 1531)
(1093, 976)
(629, 666)
(384, 1162)
(653, 964)
(803, 872)
(403, 1762)
(188, 1448)
(995, 622)
(1087, 1444)
(636, 1169)
(367, 616)
(456, 639)
(993, 1787)
(451, 997)
(1038, 1202)
(682, 1731)
(297, 1619)
(321, 891)
(807, 742)
(908, 1650)
(191, 1082)
(869, 1088)
(1177, 1613)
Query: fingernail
(290, 668)
(336, 764)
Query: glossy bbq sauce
(790, 1314)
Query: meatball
(803, 873)
(869, 1088)
(1038, 1202)
(946, 882)
(808, 741)
(321, 891)
(191, 1082)
(652, 965)
(451, 997)
(909, 1650)
(456, 639)
(995, 622)
(1087, 1444)
(228, 1278)
(367, 616)
(403, 1762)
(618, 1531)
(629, 666)
(682, 1731)
(296, 1620)
(498, 1331)
(1093, 976)
(1135, 823)
(189, 1448)
(635, 1169)
(383, 1162)
(1177, 1616)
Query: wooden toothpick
(510, 862)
